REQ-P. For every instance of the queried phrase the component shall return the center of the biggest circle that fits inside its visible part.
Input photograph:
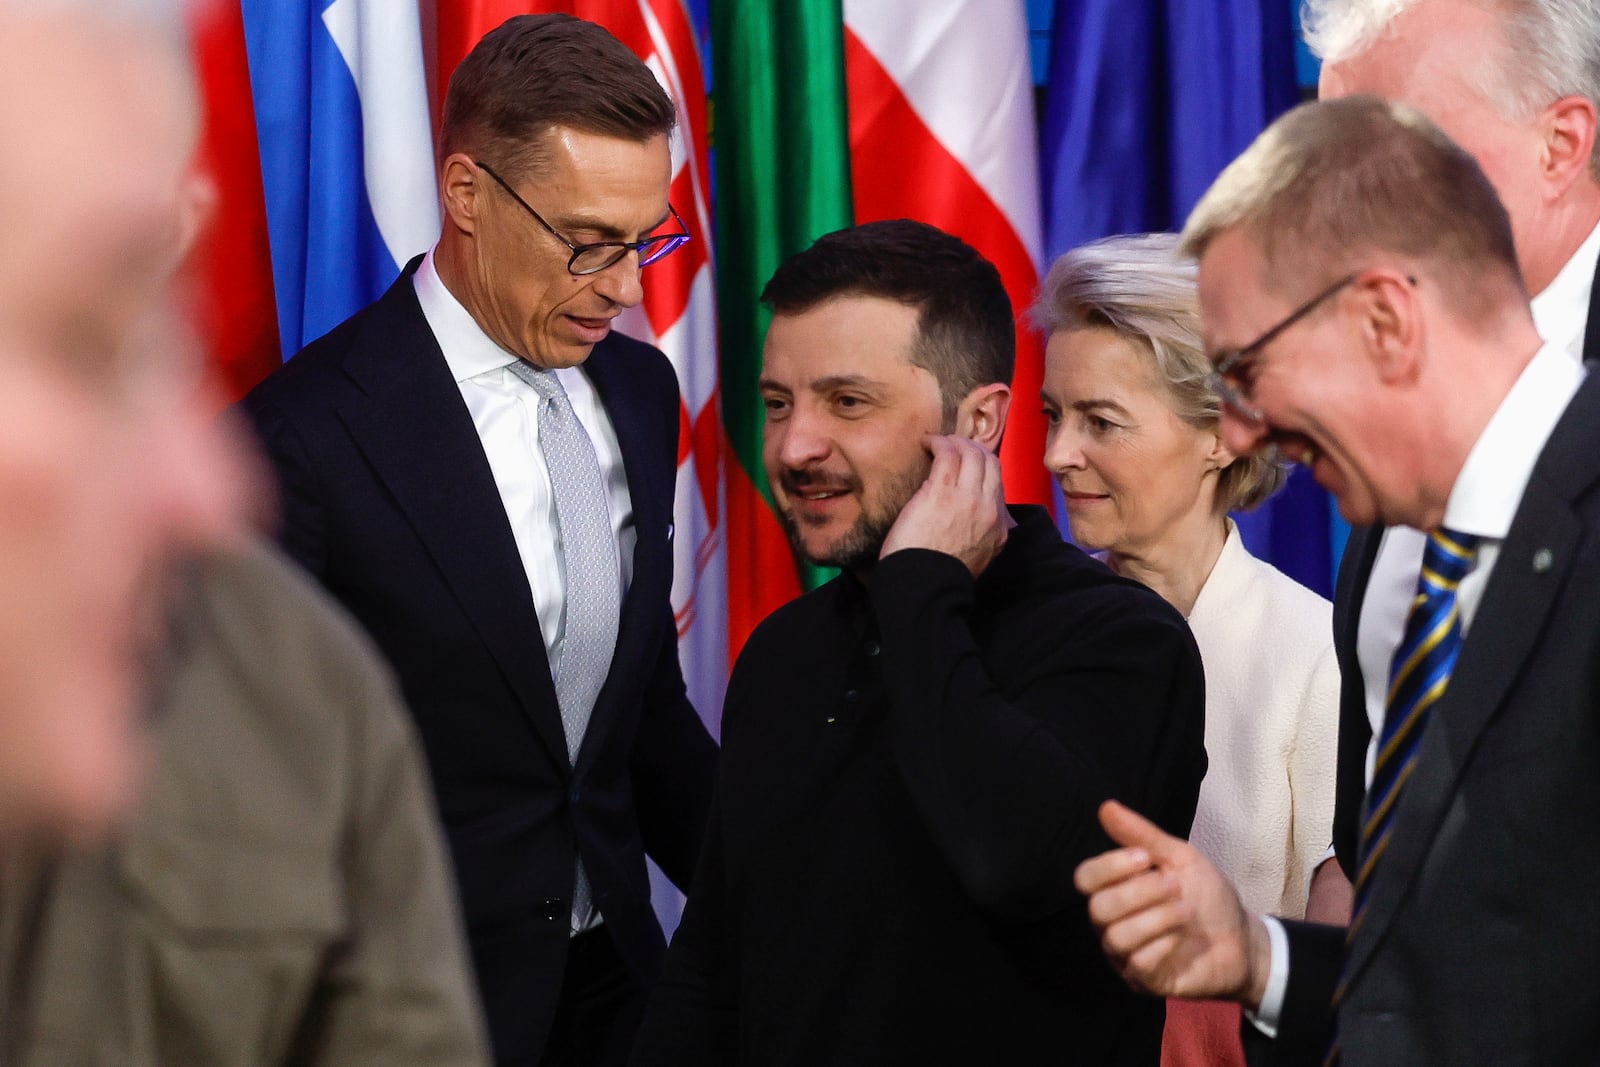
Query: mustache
(814, 481)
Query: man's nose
(1242, 435)
(801, 439)
(620, 283)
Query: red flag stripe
(900, 169)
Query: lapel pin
(1543, 560)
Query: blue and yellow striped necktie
(1417, 679)
(1418, 676)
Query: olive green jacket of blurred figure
(282, 895)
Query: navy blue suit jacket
(1482, 929)
(388, 498)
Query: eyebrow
(844, 381)
(825, 385)
(1091, 404)
(604, 229)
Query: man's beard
(863, 542)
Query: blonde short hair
(1331, 185)
(1139, 287)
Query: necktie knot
(1447, 559)
(544, 382)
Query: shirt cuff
(1265, 1017)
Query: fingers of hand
(1127, 936)
(1108, 868)
(1148, 889)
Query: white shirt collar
(1561, 311)
(468, 351)
(1487, 491)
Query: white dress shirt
(505, 410)
(1483, 501)
(1561, 310)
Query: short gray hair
(1139, 287)
(1331, 184)
(1551, 48)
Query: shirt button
(871, 648)
(576, 793)
(852, 695)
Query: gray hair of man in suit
(111, 463)
(1514, 82)
(1360, 298)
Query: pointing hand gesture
(1169, 921)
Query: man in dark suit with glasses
(483, 471)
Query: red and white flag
(942, 130)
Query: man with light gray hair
(1517, 84)
(1363, 310)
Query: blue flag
(346, 152)
(1148, 100)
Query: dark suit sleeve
(1305, 1028)
(692, 1019)
(673, 766)
(1008, 774)
(302, 532)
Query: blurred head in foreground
(111, 463)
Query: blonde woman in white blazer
(1146, 479)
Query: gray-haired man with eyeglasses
(483, 471)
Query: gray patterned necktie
(593, 602)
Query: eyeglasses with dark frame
(1232, 363)
(596, 256)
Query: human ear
(1391, 324)
(1567, 128)
(459, 188)
(982, 414)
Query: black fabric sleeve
(1008, 772)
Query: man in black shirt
(914, 753)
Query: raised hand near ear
(1169, 921)
(960, 510)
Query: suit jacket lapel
(1529, 578)
(415, 430)
(649, 586)
(1360, 553)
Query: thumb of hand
(1131, 830)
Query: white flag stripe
(963, 65)
(381, 43)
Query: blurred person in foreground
(110, 463)
(1365, 315)
(914, 752)
(1134, 438)
(278, 894)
